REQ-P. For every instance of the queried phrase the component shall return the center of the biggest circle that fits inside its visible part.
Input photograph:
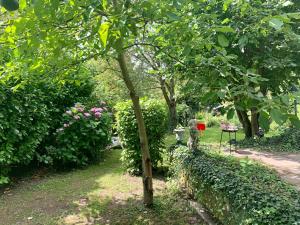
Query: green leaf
(276, 23)
(103, 32)
(295, 15)
(295, 121)
(230, 113)
(173, 16)
(23, 4)
(277, 116)
(227, 4)
(104, 4)
(222, 40)
(285, 99)
(225, 29)
(264, 120)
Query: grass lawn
(211, 136)
(100, 194)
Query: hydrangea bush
(82, 137)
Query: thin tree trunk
(146, 161)
(173, 115)
(171, 102)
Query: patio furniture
(230, 129)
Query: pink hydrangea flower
(94, 110)
(97, 114)
(86, 114)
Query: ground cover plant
(237, 191)
(287, 141)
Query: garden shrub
(30, 114)
(184, 113)
(237, 191)
(287, 141)
(82, 138)
(155, 116)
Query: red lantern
(201, 126)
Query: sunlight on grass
(99, 194)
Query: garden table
(229, 128)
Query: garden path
(286, 164)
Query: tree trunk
(243, 118)
(171, 101)
(254, 122)
(173, 116)
(146, 161)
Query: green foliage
(183, 113)
(215, 121)
(30, 114)
(287, 141)
(155, 116)
(84, 134)
(10, 5)
(237, 191)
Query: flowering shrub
(29, 116)
(82, 137)
(155, 116)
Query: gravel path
(286, 164)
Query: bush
(184, 113)
(82, 138)
(30, 114)
(238, 192)
(155, 117)
(288, 141)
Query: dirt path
(286, 164)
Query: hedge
(31, 114)
(155, 117)
(238, 192)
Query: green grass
(99, 194)
(211, 136)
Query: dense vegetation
(84, 134)
(186, 56)
(31, 114)
(287, 141)
(155, 117)
(237, 192)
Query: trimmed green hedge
(155, 117)
(237, 191)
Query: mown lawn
(211, 136)
(100, 194)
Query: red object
(201, 126)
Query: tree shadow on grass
(131, 211)
(43, 200)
